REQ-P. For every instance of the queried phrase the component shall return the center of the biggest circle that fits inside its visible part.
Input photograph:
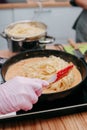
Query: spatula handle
(73, 44)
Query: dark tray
(69, 105)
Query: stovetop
(76, 99)
(77, 102)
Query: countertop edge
(33, 5)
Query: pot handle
(3, 35)
(17, 39)
(46, 40)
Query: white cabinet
(58, 19)
(6, 17)
(23, 14)
(3, 41)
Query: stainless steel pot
(15, 42)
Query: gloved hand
(20, 93)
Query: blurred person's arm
(80, 3)
(3, 1)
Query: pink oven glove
(20, 93)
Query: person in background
(3, 1)
(20, 93)
(80, 24)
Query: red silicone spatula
(60, 74)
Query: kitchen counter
(32, 4)
(70, 122)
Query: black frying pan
(81, 65)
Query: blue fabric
(80, 25)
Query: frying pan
(81, 65)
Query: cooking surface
(72, 121)
(74, 103)
(68, 105)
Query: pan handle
(76, 49)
